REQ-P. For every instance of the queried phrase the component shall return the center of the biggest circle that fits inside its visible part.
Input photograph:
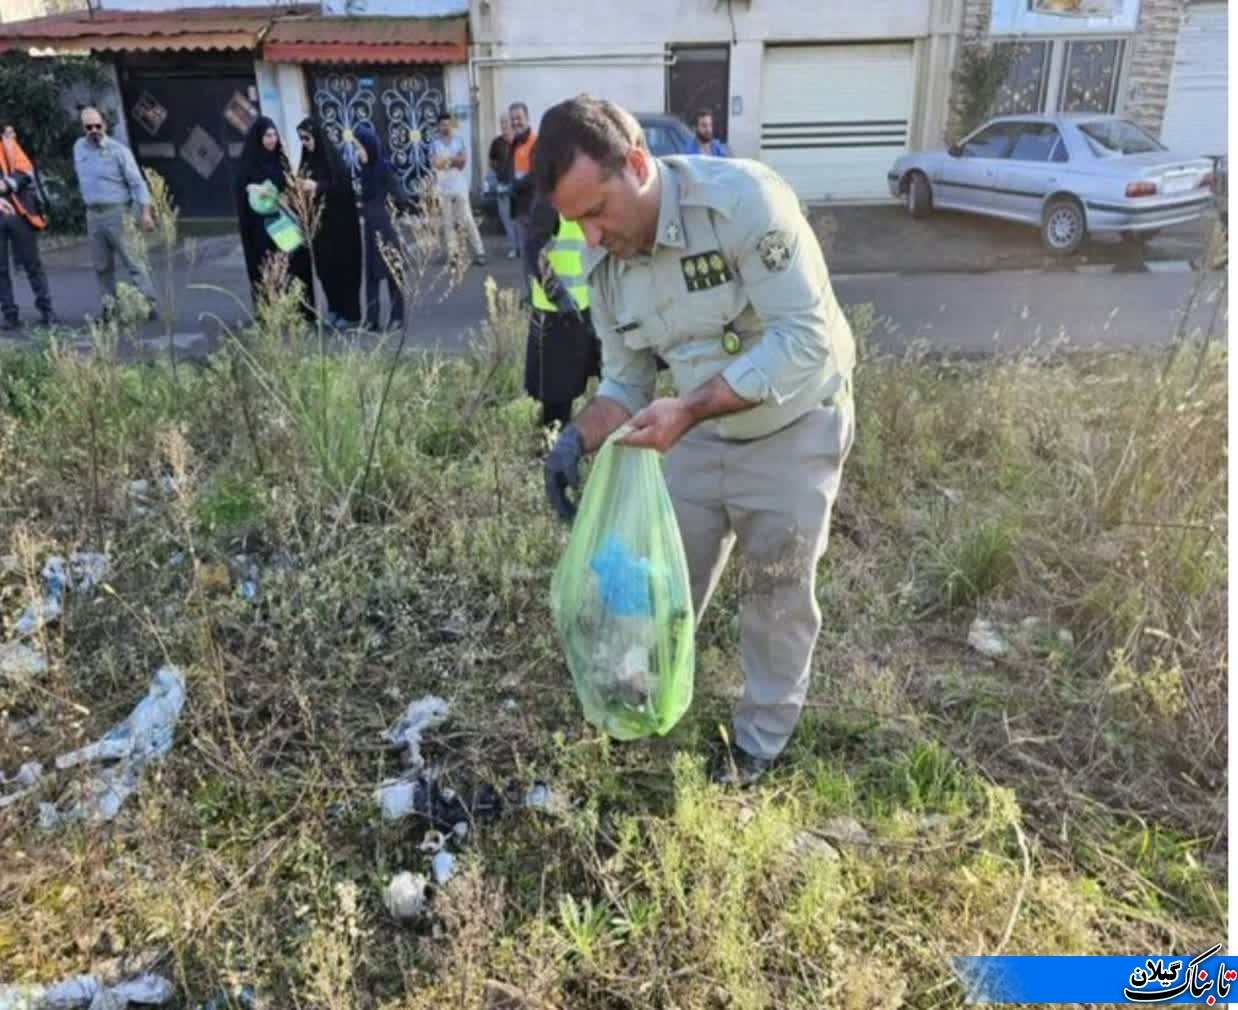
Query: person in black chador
(337, 243)
(263, 160)
(377, 183)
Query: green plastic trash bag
(264, 198)
(621, 598)
(284, 232)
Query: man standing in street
(712, 266)
(524, 141)
(706, 142)
(450, 159)
(111, 184)
(20, 224)
(501, 171)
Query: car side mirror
(955, 150)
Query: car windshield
(1112, 138)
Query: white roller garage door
(834, 118)
(1195, 115)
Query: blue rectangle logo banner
(1156, 978)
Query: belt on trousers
(100, 208)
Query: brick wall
(1151, 61)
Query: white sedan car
(1068, 174)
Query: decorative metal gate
(187, 121)
(400, 103)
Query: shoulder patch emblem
(775, 251)
(703, 271)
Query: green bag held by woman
(282, 229)
(622, 601)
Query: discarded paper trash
(621, 599)
(142, 738)
(20, 662)
(442, 867)
(405, 897)
(81, 574)
(88, 993)
(421, 715)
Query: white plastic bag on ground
(81, 574)
(142, 738)
(86, 992)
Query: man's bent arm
(714, 398)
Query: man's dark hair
(444, 117)
(583, 125)
(702, 112)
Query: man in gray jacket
(111, 184)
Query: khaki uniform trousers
(773, 497)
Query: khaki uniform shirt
(736, 285)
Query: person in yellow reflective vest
(562, 350)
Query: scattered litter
(845, 830)
(27, 777)
(178, 559)
(140, 739)
(405, 735)
(807, 845)
(934, 821)
(460, 831)
(510, 705)
(405, 897)
(1066, 637)
(433, 841)
(240, 996)
(87, 991)
(541, 797)
(19, 661)
(9, 565)
(249, 590)
(443, 808)
(442, 867)
(986, 639)
(83, 572)
(335, 811)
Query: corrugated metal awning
(367, 40)
(145, 31)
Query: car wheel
(1064, 227)
(919, 196)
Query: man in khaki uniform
(711, 265)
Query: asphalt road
(1099, 305)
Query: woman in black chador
(263, 161)
(337, 243)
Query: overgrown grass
(1066, 799)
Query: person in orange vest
(20, 224)
(524, 140)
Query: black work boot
(737, 768)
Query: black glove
(562, 471)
